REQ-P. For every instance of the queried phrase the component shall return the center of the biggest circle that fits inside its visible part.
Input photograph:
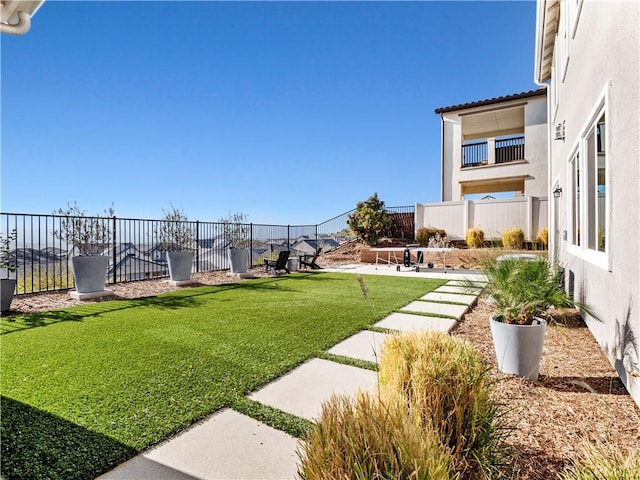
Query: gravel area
(578, 396)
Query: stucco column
(491, 150)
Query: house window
(575, 199)
(597, 165)
(588, 201)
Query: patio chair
(308, 260)
(279, 264)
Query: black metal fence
(137, 250)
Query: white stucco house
(587, 54)
(495, 145)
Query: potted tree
(176, 239)
(7, 285)
(526, 294)
(237, 234)
(89, 237)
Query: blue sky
(290, 112)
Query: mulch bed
(578, 397)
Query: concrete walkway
(230, 445)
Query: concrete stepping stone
(459, 283)
(450, 297)
(302, 391)
(436, 308)
(458, 289)
(363, 345)
(407, 322)
(226, 445)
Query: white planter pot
(90, 272)
(239, 259)
(519, 347)
(7, 289)
(180, 265)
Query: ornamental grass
(447, 387)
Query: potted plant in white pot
(89, 237)
(237, 233)
(526, 294)
(7, 284)
(176, 239)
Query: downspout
(20, 28)
(441, 157)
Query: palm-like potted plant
(176, 239)
(527, 294)
(237, 233)
(89, 237)
(7, 284)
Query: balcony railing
(474, 154)
(506, 150)
(510, 149)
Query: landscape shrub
(448, 388)
(543, 236)
(370, 221)
(604, 462)
(425, 234)
(363, 438)
(513, 238)
(475, 238)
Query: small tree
(175, 233)
(370, 220)
(5, 257)
(236, 230)
(89, 235)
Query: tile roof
(489, 101)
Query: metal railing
(135, 249)
(474, 154)
(510, 149)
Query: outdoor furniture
(309, 260)
(279, 264)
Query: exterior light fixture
(557, 192)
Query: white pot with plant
(237, 233)
(89, 237)
(7, 284)
(526, 296)
(175, 237)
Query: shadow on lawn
(36, 444)
(188, 298)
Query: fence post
(251, 243)
(197, 246)
(316, 238)
(288, 236)
(114, 255)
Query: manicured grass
(87, 387)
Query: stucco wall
(604, 55)
(534, 169)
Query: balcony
(493, 151)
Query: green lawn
(85, 388)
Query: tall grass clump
(363, 438)
(543, 236)
(604, 462)
(448, 388)
(475, 238)
(513, 238)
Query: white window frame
(595, 257)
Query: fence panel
(137, 251)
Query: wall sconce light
(557, 192)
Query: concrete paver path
(226, 445)
(363, 345)
(408, 322)
(302, 390)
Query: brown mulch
(577, 398)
